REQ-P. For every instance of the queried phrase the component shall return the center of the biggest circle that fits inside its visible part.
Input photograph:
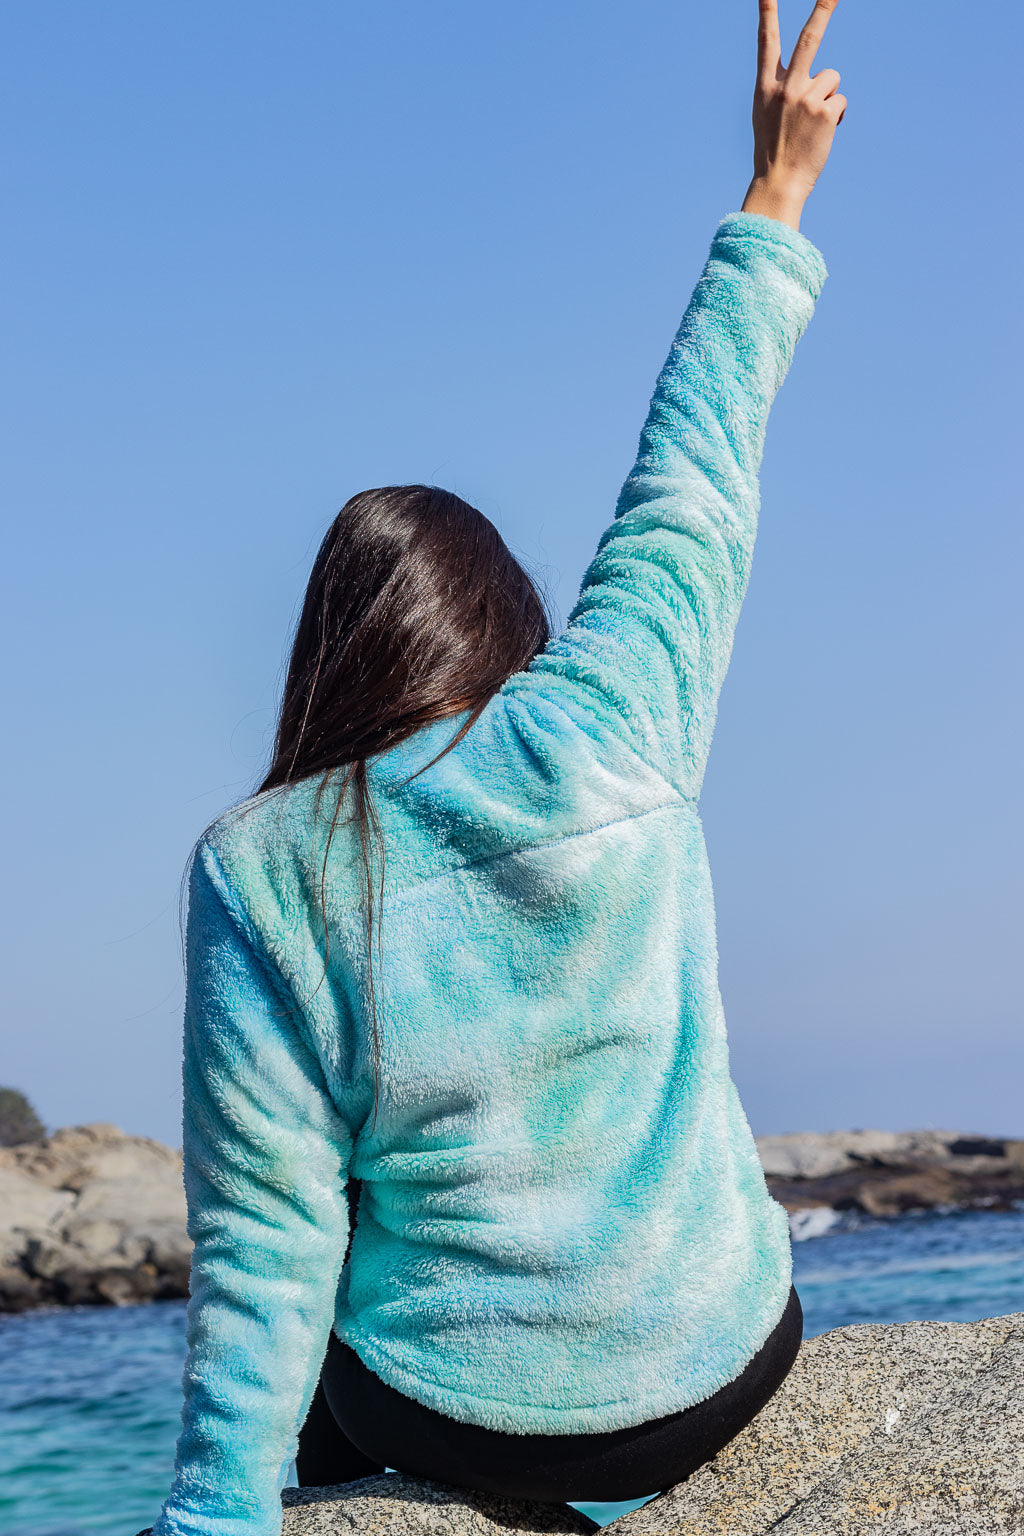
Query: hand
(795, 116)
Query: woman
(457, 955)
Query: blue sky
(260, 257)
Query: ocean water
(90, 1396)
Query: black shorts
(358, 1425)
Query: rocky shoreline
(886, 1173)
(91, 1215)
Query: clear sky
(259, 257)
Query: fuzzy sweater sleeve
(648, 642)
(266, 1159)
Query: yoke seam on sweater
(551, 842)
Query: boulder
(90, 1215)
(26, 1206)
(909, 1429)
(889, 1430)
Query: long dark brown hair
(415, 610)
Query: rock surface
(406, 1506)
(907, 1429)
(93, 1215)
(903, 1428)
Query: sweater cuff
(803, 259)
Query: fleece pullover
(563, 1223)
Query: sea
(90, 1396)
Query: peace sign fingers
(769, 44)
(810, 38)
(795, 115)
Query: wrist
(776, 200)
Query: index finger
(810, 38)
(769, 44)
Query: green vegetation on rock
(18, 1120)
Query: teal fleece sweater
(563, 1225)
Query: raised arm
(648, 643)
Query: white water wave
(812, 1223)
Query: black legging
(358, 1425)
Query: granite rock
(910, 1429)
(390, 1505)
(878, 1431)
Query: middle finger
(810, 38)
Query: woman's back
(563, 1224)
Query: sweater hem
(507, 1417)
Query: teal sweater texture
(563, 1225)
